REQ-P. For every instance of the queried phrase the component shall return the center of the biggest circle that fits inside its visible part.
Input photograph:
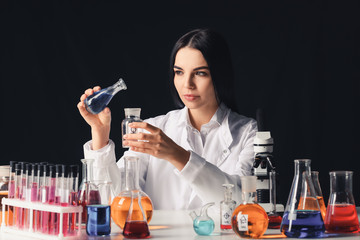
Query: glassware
(4, 189)
(227, 207)
(249, 219)
(88, 192)
(98, 215)
(203, 224)
(132, 193)
(96, 102)
(302, 216)
(131, 115)
(341, 215)
(274, 217)
(319, 195)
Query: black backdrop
(299, 60)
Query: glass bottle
(249, 219)
(274, 217)
(132, 193)
(203, 224)
(302, 216)
(96, 102)
(341, 216)
(227, 207)
(88, 192)
(319, 195)
(131, 115)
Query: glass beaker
(98, 215)
(131, 115)
(88, 192)
(319, 195)
(249, 219)
(132, 193)
(341, 215)
(302, 216)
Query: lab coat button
(225, 151)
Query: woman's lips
(190, 97)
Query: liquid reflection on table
(177, 225)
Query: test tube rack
(41, 207)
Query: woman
(188, 153)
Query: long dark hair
(217, 55)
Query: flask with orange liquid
(319, 195)
(128, 198)
(249, 219)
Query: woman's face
(193, 81)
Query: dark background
(299, 60)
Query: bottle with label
(249, 219)
(227, 207)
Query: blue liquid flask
(203, 224)
(96, 102)
(302, 217)
(98, 223)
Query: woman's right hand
(99, 123)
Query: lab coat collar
(217, 118)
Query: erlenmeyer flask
(319, 195)
(341, 216)
(302, 216)
(131, 194)
(88, 192)
(96, 102)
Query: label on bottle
(226, 212)
(242, 220)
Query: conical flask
(319, 195)
(302, 216)
(341, 215)
(88, 192)
(132, 197)
(96, 102)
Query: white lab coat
(220, 153)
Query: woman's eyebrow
(177, 67)
(202, 67)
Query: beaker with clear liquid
(302, 216)
(341, 215)
(96, 102)
(319, 195)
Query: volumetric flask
(98, 215)
(341, 216)
(319, 195)
(302, 216)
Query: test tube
(28, 196)
(65, 196)
(17, 193)
(48, 196)
(11, 193)
(73, 183)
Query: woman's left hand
(157, 144)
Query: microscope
(264, 164)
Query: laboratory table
(177, 225)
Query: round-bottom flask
(249, 219)
(122, 203)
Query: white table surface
(176, 225)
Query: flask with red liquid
(341, 215)
(88, 192)
(132, 209)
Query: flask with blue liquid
(203, 224)
(302, 217)
(96, 102)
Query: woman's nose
(189, 82)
